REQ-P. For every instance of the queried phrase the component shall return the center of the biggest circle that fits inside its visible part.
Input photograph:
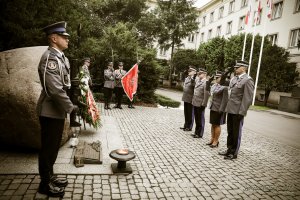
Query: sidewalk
(170, 164)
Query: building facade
(225, 18)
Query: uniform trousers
(234, 128)
(107, 95)
(51, 135)
(119, 94)
(188, 115)
(200, 120)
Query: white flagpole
(244, 47)
(252, 46)
(259, 61)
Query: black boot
(51, 190)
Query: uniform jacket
(109, 78)
(188, 89)
(86, 72)
(54, 73)
(201, 95)
(119, 73)
(240, 95)
(219, 98)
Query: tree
(185, 57)
(178, 20)
(276, 73)
(212, 54)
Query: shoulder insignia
(52, 65)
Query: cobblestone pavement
(170, 164)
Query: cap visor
(63, 34)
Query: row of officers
(230, 98)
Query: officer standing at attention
(109, 79)
(217, 109)
(85, 69)
(119, 73)
(199, 102)
(241, 90)
(188, 92)
(53, 106)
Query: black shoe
(197, 136)
(108, 107)
(214, 145)
(51, 190)
(182, 128)
(115, 106)
(224, 153)
(75, 124)
(120, 107)
(210, 143)
(59, 182)
(187, 129)
(230, 157)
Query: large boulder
(19, 91)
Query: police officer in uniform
(119, 73)
(109, 83)
(53, 106)
(85, 69)
(199, 102)
(241, 89)
(217, 107)
(188, 92)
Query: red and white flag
(258, 13)
(269, 6)
(249, 13)
(130, 81)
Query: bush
(165, 101)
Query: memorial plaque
(88, 153)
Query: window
(242, 23)
(211, 19)
(162, 51)
(244, 3)
(295, 37)
(221, 11)
(229, 27)
(231, 7)
(191, 38)
(297, 7)
(202, 38)
(273, 38)
(209, 34)
(218, 33)
(277, 10)
(203, 21)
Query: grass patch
(165, 101)
(259, 108)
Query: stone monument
(19, 91)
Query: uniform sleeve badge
(52, 65)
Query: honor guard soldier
(85, 69)
(217, 107)
(109, 83)
(241, 90)
(188, 92)
(53, 106)
(119, 73)
(199, 102)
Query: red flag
(130, 81)
(257, 17)
(248, 15)
(269, 5)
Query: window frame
(221, 14)
(231, 7)
(244, 3)
(242, 23)
(297, 5)
(219, 31)
(211, 17)
(274, 11)
(271, 36)
(203, 21)
(229, 24)
(296, 39)
(209, 34)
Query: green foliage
(184, 58)
(212, 54)
(165, 101)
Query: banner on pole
(130, 81)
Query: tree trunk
(171, 62)
(267, 94)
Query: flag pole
(259, 61)
(251, 52)
(244, 47)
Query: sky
(200, 3)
